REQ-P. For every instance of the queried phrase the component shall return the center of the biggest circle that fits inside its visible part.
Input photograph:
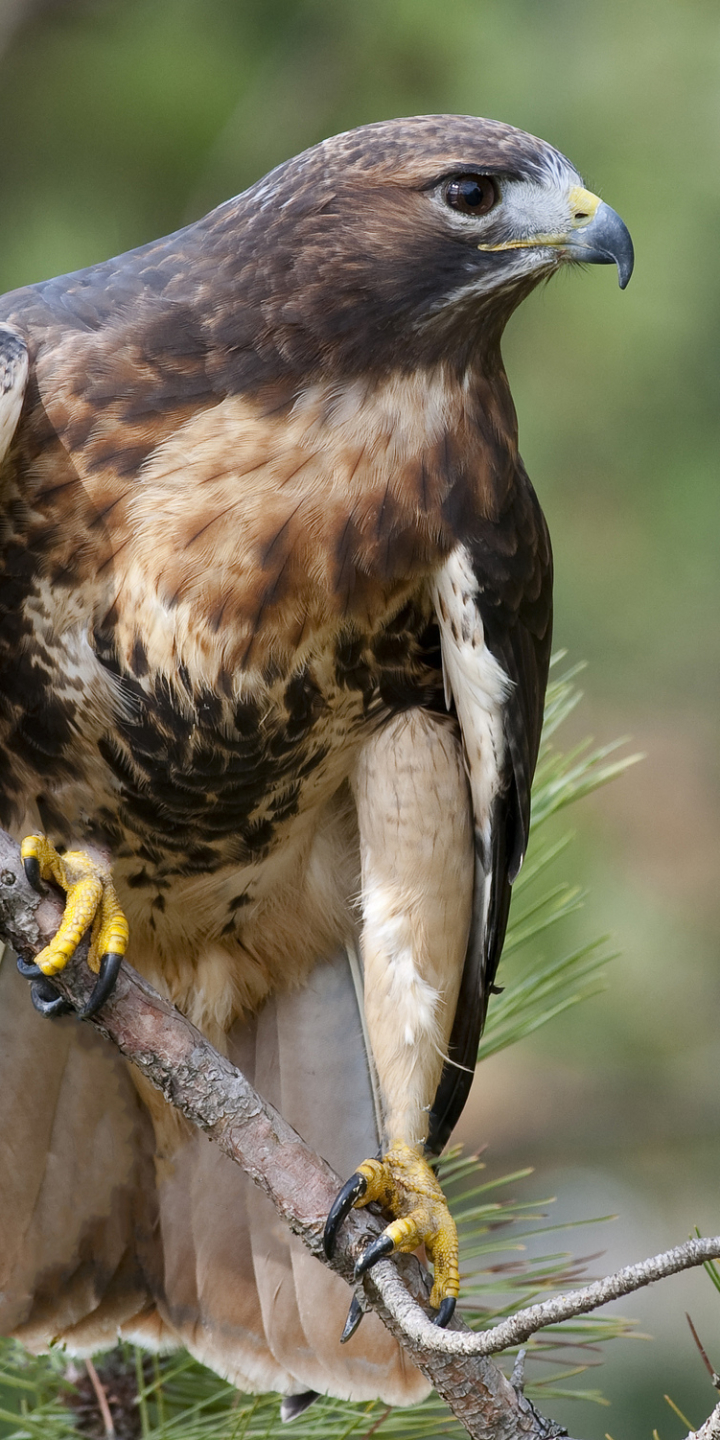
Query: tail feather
(210, 1296)
(105, 1233)
(313, 1044)
(271, 1244)
(78, 1242)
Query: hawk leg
(416, 903)
(405, 1186)
(91, 902)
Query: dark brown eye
(471, 194)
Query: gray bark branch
(215, 1096)
(525, 1323)
(710, 1430)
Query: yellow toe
(91, 901)
(404, 1184)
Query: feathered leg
(417, 886)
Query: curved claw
(352, 1190)
(294, 1405)
(28, 969)
(47, 1000)
(445, 1313)
(104, 985)
(376, 1250)
(354, 1316)
(31, 866)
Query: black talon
(445, 1313)
(354, 1316)
(104, 985)
(351, 1191)
(28, 969)
(294, 1405)
(47, 999)
(44, 995)
(376, 1250)
(31, 866)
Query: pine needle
(679, 1413)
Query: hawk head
(405, 242)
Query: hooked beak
(595, 236)
(598, 236)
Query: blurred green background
(123, 119)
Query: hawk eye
(471, 194)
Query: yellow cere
(583, 205)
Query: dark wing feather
(515, 600)
(497, 602)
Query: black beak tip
(619, 253)
(625, 265)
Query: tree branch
(710, 1430)
(525, 1323)
(215, 1096)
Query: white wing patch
(13, 380)
(477, 683)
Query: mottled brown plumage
(264, 489)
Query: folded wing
(493, 602)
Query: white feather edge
(476, 682)
(13, 382)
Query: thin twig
(99, 1389)
(712, 1373)
(525, 1323)
(387, 1411)
(517, 1379)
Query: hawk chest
(201, 778)
(243, 605)
(251, 537)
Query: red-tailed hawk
(274, 635)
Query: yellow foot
(403, 1183)
(91, 901)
